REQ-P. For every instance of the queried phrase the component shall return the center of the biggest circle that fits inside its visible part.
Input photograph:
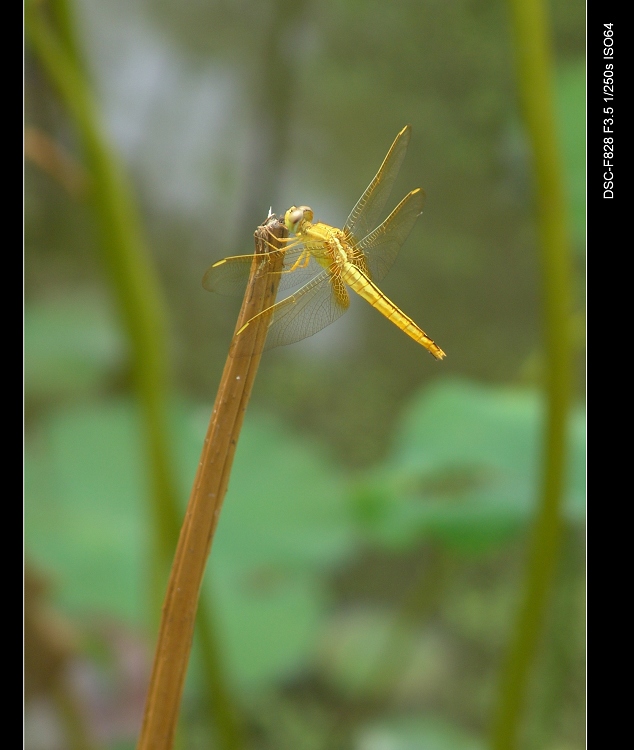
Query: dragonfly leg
(293, 240)
(301, 262)
(279, 239)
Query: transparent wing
(229, 276)
(302, 314)
(380, 247)
(365, 215)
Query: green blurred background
(369, 556)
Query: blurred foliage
(445, 68)
(571, 98)
(71, 349)
(461, 474)
(408, 734)
(465, 469)
(268, 584)
(369, 552)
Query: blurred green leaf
(351, 648)
(416, 734)
(284, 520)
(71, 346)
(366, 654)
(84, 510)
(465, 469)
(285, 505)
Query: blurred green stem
(126, 257)
(558, 662)
(50, 31)
(534, 75)
(73, 721)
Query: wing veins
(366, 213)
(382, 245)
(305, 312)
(229, 275)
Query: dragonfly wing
(381, 246)
(313, 307)
(229, 275)
(365, 215)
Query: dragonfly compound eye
(294, 216)
(306, 212)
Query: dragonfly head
(296, 217)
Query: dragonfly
(328, 261)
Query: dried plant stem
(102, 180)
(179, 610)
(534, 74)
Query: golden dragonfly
(327, 260)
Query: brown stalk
(212, 478)
(52, 158)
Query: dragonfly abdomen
(362, 285)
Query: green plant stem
(141, 309)
(534, 75)
(73, 721)
(126, 257)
